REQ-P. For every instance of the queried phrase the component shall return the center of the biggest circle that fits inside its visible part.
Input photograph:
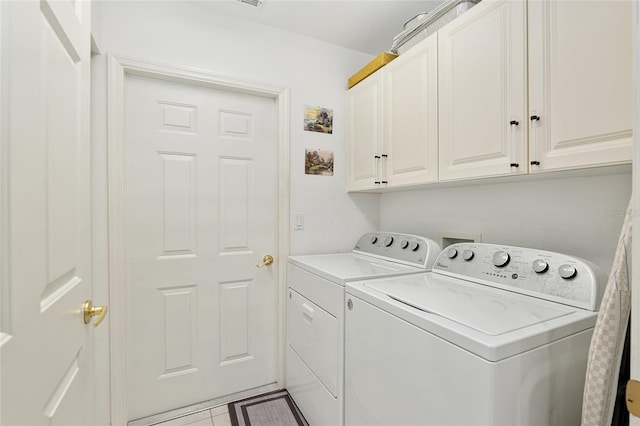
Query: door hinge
(633, 397)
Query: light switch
(299, 221)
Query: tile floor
(218, 416)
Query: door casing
(118, 68)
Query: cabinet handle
(514, 142)
(535, 117)
(535, 163)
(383, 167)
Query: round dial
(567, 271)
(452, 253)
(501, 258)
(540, 266)
(374, 239)
(388, 241)
(415, 246)
(468, 255)
(404, 244)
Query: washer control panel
(408, 249)
(544, 274)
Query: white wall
(191, 35)
(581, 216)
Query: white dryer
(315, 314)
(495, 335)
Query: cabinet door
(365, 132)
(580, 83)
(482, 75)
(411, 116)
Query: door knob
(91, 311)
(266, 261)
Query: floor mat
(269, 409)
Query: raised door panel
(482, 74)
(411, 116)
(365, 132)
(580, 83)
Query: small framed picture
(317, 119)
(318, 162)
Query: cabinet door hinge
(633, 397)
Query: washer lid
(478, 307)
(341, 268)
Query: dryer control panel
(407, 249)
(543, 274)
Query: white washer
(495, 335)
(315, 314)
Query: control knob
(388, 241)
(567, 271)
(452, 253)
(501, 258)
(404, 244)
(540, 266)
(467, 255)
(415, 246)
(374, 239)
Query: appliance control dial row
(414, 245)
(543, 274)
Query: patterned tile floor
(218, 416)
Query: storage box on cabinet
(393, 133)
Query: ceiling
(364, 25)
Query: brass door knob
(266, 261)
(91, 311)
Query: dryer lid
(484, 309)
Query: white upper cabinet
(580, 83)
(393, 116)
(410, 153)
(482, 77)
(365, 133)
(510, 87)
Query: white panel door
(411, 116)
(200, 207)
(580, 83)
(365, 133)
(46, 348)
(482, 77)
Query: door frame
(118, 68)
